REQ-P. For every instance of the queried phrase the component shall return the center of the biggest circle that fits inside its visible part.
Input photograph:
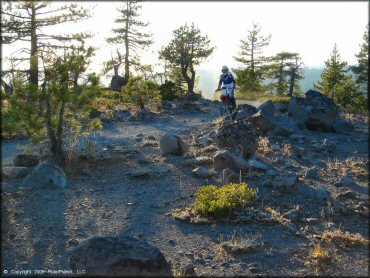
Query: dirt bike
(226, 105)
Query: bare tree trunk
(292, 79)
(51, 133)
(127, 65)
(34, 68)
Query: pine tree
(333, 74)
(252, 48)
(361, 71)
(129, 35)
(250, 78)
(295, 75)
(28, 20)
(279, 69)
(187, 49)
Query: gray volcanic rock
(46, 174)
(317, 111)
(119, 256)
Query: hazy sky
(309, 28)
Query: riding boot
(233, 103)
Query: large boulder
(172, 144)
(229, 176)
(25, 160)
(14, 172)
(267, 108)
(235, 135)
(262, 121)
(288, 125)
(46, 174)
(316, 110)
(241, 115)
(117, 83)
(119, 256)
(342, 126)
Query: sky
(309, 28)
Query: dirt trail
(46, 224)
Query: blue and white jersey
(226, 79)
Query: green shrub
(168, 90)
(141, 93)
(213, 201)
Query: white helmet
(225, 69)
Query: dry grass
(318, 257)
(238, 244)
(278, 216)
(356, 165)
(264, 146)
(344, 238)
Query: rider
(229, 84)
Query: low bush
(212, 201)
(141, 93)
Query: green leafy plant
(213, 201)
(141, 93)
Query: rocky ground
(129, 188)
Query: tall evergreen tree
(361, 71)
(187, 49)
(279, 69)
(251, 56)
(252, 48)
(295, 75)
(128, 33)
(28, 20)
(333, 74)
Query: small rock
(256, 165)
(275, 147)
(254, 267)
(271, 173)
(26, 221)
(73, 242)
(323, 195)
(269, 254)
(312, 173)
(292, 215)
(202, 172)
(292, 228)
(312, 220)
(287, 183)
(203, 140)
(332, 225)
(172, 144)
(152, 137)
(188, 271)
(347, 194)
(328, 146)
(346, 180)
